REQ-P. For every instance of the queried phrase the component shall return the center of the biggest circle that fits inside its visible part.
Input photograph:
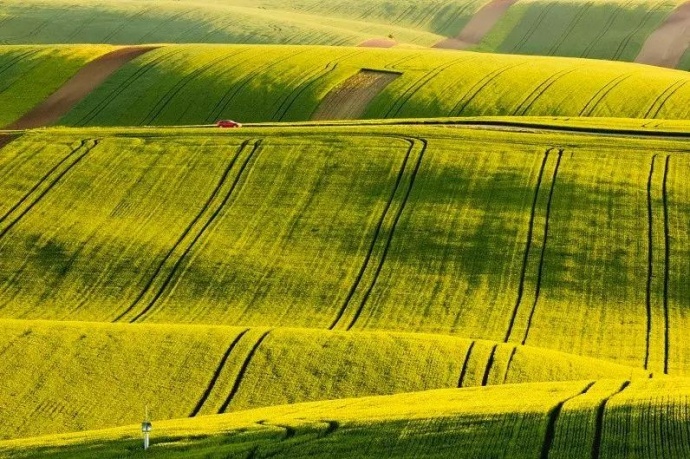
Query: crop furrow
(667, 261)
(44, 185)
(528, 247)
(195, 236)
(489, 365)
(540, 268)
(553, 415)
(650, 259)
(243, 370)
(391, 232)
(479, 86)
(602, 93)
(174, 17)
(599, 422)
(124, 23)
(465, 365)
(216, 375)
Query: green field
(450, 263)
(182, 85)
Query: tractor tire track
(667, 261)
(650, 261)
(525, 38)
(164, 101)
(528, 247)
(599, 422)
(405, 97)
(173, 18)
(243, 370)
(465, 365)
(605, 29)
(228, 97)
(571, 26)
(553, 415)
(602, 93)
(194, 236)
(216, 374)
(532, 98)
(125, 22)
(624, 44)
(540, 269)
(44, 186)
(469, 96)
(489, 365)
(660, 101)
(391, 232)
(124, 85)
(372, 245)
(510, 362)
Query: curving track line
(553, 415)
(479, 25)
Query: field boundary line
(50, 179)
(465, 364)
(599, 422)
(540, 270)
(241, 373)
(193, 232)
(216, 374)
(553, 416)
(528, 247)
(388, 238)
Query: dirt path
(77, 88)
(350, 99)
(480, 24)
(667, 44)
(378, 43)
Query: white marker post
(146, 429)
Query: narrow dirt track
(350, 99)
(667, 44)
(480, 24)
(77, 88)
(5, 139)
(378, 43)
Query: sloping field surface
(29, 74)
(55, 374)
(289, 83)
(481, 23)
(614, 30)
(665, 47)
(141, 22)
(603, 419)
(493, 235)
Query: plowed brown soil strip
(349, 100)
(480, 24)
(5, 139)
(378, 43)
(666, 46)
(77, 88)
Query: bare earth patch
(378, 43)
(667, 44)
(77, 88)
(480, 24)
(350, 99)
